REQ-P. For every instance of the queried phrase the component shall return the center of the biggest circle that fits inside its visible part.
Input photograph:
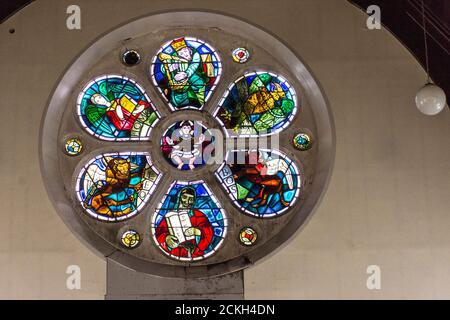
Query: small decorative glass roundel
(131, 57)
(241, 55)
(302, 142)
(131, 239)
(187, 145)
(248, 236)
(74, 147)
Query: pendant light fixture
(430, 99)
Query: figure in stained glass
(266, 184)
(116, 186)
(186, 71)
(116, 108)
(183, 144)
(257, 104)
(189, 225)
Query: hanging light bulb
(430, 99)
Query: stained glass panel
(187, 145)
(186, 71)
(189, 223)
(262, 183)
(257, 104)
(248, 236)
(240, 55)
(302, 142)
(73, 147)
(115, 186)
(131, 239)
(116, 108)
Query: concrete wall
(388, 199)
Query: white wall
(388, 200)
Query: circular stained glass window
(248, 236)
(241, 55)
(302, 142)
(131, 239)
(73, 147)
(184, 149)
(131, 57)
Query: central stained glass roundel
(187, 145)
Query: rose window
(187, 151)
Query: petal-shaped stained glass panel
(116, 186)
(116, 108)
(262, 183)
(257, 104)
(189, 223)
(186, 71)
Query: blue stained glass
(257, 104)
(115, 186)
(219, 216)
(116, 108)
(186, 71)
(189, 206)
(183, 145)
(267, 183)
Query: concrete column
(126, 284)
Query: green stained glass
(186, 71)
(116, 108)
(241, 192)
(257, 104)
(116, 186)
(302, 142)
(265, 184)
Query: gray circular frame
(50, 147)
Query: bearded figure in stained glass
(257, 104)
(185, 231)
(115, 186)
(185, 72)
